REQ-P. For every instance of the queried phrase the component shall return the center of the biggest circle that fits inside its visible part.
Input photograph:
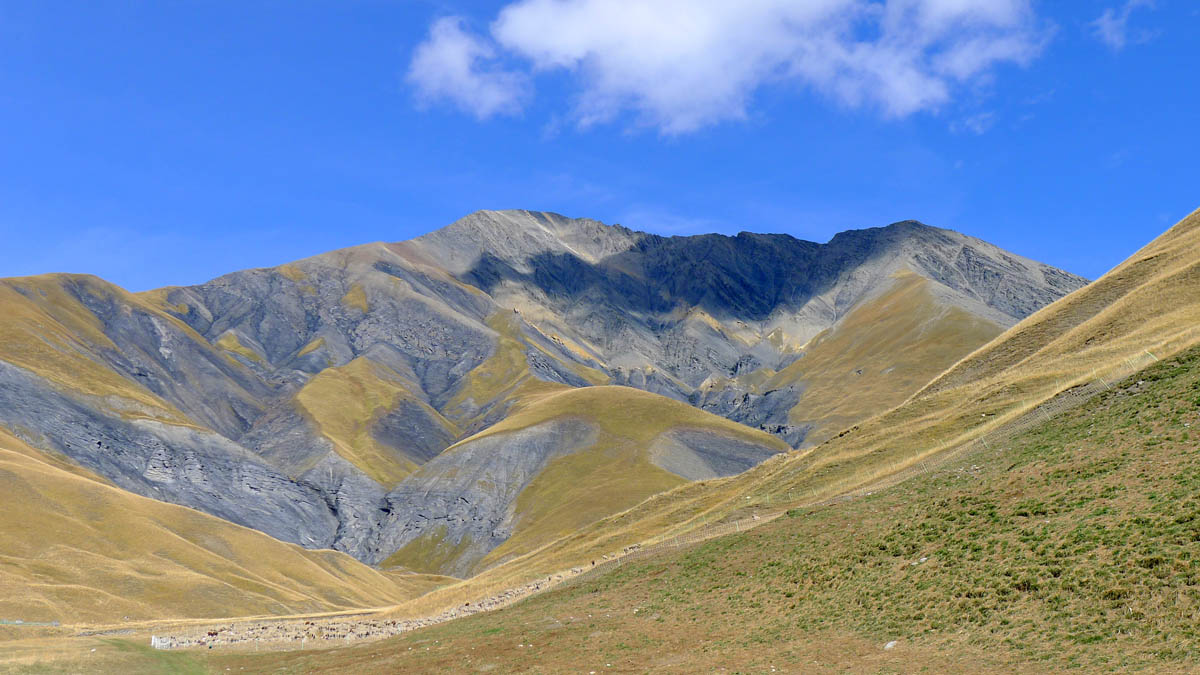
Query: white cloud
(978, 124)
(455, 66)
(680, 65)
(1112, 26)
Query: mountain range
(448, 403)
(1034, 508)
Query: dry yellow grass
(311, 347)
(505, 377)
(1149, 304)
(500, 374)
(356, 297)
(1068, 547)
(292, 272)
(48, 331)
(229, 342)
(346, 401)
(623, 411)
(613, 474)
(75, 549)
(882, 352)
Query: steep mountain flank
(77, 549)
(560, 461)
(376, 400)
(1147, 308)
(95, 374)
(678, 315)
(1069, 547)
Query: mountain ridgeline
(447, 403)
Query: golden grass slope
(623, 411)
(1070, 547)
(879, 354)
(1149, 304)
(611, 475)
(48, 331)
(505, 377)
(345, 401)
(75, 549)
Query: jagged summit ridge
(372, 385)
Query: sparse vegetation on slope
(346, 401)
(573, 456)
(1156, 310)
(1074, 545)
(49, 331)
(927, 427)
(76, 549)
(879, 354)
(275, 418)
(230, 342)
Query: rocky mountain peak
(347, 400)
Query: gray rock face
(466, 498)
(670, 315)
(408, 426)
(160, 356)
(697, 455)
(630, 294)
(767, 411)
(192, 467)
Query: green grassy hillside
(1072, 546)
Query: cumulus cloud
(457, 67)
(1112, 26)
(681, 65)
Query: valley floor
(1074, 546)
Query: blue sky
(157, 143)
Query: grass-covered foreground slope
(78, 550)
(1074, 545)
